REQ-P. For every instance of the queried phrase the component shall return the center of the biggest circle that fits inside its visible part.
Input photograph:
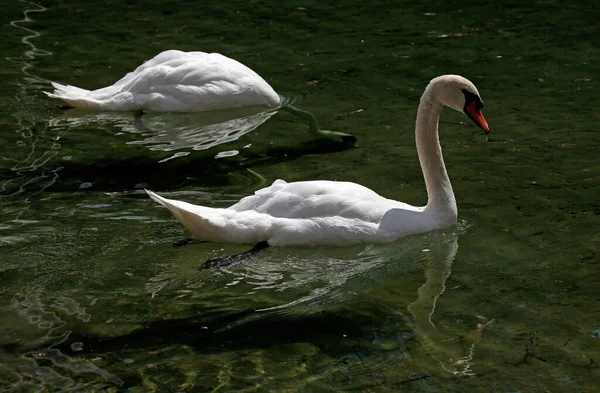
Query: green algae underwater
(94, 298)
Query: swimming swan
(176, 81)
(324, 212)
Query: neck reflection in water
(288, 285)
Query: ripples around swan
(181, 133)
(303, 282)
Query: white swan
(176, 81)
(341, 213)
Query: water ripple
(25, 169)
(34, 354)
(170, 132)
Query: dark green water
(94, 298)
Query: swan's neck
(439, 190)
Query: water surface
(94, 298)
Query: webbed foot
(218, 263)
(186, 241)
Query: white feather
(176, 81)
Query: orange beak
(475, 114)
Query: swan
(176, 81)
(325, 212)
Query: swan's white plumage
(300, 213)
(340, 213)
(176, 81)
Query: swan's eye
(471, 98)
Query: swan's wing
(318, 199)
(172, 58)
(193, 81)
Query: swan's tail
(74, 96)
(205, 223)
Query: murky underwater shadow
(200, 133)
(202, 170)
(287, 298)
(119, 174)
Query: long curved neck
(439, 190)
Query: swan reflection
(374, 294)
(306, 287)
(454, 353)
(292, 284)
(170, 132)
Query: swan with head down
(322, 212)
(176, 81)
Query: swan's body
(341, 213)
(175, 81)
(305, 213)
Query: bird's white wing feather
(178, 81)
(321, 198)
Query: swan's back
(321, 198)
(180, 82)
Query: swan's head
(459, 94)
